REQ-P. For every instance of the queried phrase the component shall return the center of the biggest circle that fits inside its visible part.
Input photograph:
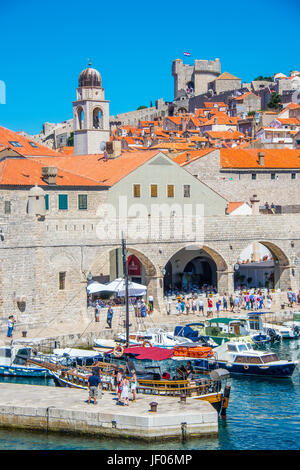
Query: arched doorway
(262, 265)
(80, 117)
(193, 270)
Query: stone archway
(203, 265)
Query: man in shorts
(94, 383)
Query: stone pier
(54, 409)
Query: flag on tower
(187, 53)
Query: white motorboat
(240, 358)
(155, 337)
(13, 362)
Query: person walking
(143, 310)
(150, 300)
(178, 307)
(247, 301)
(269, 302)
(119, 384)
(231, 302)
(133, 385)
(218, 305)
(110, 314)
(194, 305)
(225, 303)
(182, 306)
(188, 306)
(125, 392)
(94, 383)
(201, 306)
(209, 307)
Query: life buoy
(118, 351)
(147, 344)
(246, 367)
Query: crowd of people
(121, 384)
(247, 300)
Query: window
(15, 143)
(7, 207)
(136, 190)
(63, 202)
(82, 202)
(293, 176)
(47, 201)
(253, 176)
(170, 190)
(272, 176)
(186, 190)
(153, 190)
(33, 144)
(62, 281)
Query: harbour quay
(65, 410)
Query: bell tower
(90, 114)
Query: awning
(154, 353)
(95, 287)
(134, 289)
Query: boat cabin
(245, 354)
(11, 355)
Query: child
(125, 392)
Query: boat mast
(125, 273)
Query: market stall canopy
(95, 287)
(134, 289)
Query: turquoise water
(263, 414)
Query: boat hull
(285, 370)
(19, 371)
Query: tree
(142, 107)
(275, 102)
(70, 141)
(265, 79)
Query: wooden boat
(203, 388)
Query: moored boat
(13, 362)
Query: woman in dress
(125, 392)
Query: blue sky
(45, 45)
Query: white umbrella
(134, 289)
(95, 287)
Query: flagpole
(125, 273)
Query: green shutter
(63, 202)
(47, 202)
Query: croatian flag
(187, 53)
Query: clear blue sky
(45, 45)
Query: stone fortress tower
(90, 114)
(194, 78)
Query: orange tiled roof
(195, 154)
(248, 158)
(103, 172)
(28, 172)
(26, 148)
(226, 76)
(226, 135)
(231, 206)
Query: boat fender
(147, 344)
(246, 367)
(118, 351)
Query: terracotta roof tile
(26, 146)
(248, 158)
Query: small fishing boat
(240, 358)
(191, 332)
(13, 362)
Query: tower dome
(90, 77)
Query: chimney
(188, 157)
(261, 158)
(254, 202)
(49, 174)
(114, 148)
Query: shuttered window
(154, 191)
(62, 281)
(186, 190)
(170, 190)
(47, 202)
(63, 202)
(7, 207)
(136, 190)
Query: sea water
(263, 414)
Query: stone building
(194, 79)
(225, 82)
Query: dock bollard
(183, 398)
(153, 406)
